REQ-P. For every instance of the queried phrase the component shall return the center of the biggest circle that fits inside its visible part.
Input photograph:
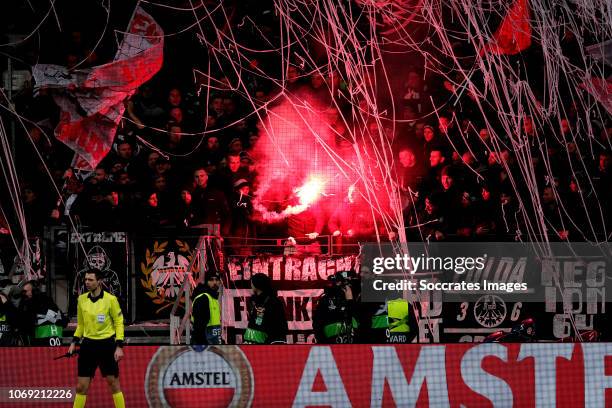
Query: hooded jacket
(273, 322)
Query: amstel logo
(181, 377)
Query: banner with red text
(299, 280)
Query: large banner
(564, 288)
(300, 281)
(107, 252)
(162, 267)
(163, 263)
(568, 310)
(560, 375)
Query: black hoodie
(274, 322)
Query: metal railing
(180, 324)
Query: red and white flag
(92, 100)
(514, 33)
(601, 89)
(601, 51)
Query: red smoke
(296, 156)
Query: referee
(100, 331)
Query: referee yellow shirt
(99, 318)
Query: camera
(343, 278)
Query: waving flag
(92, 100)
(601, 51)
(514, 33)
(601, 89)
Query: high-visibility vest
(47, 326)
(4, 327)
(3, 323)
(398, 310)
(213, 327)
(396, 318)
(340, 328)
(254, 336)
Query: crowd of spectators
(468, 189)
(458, 183)
(183, 158)
(185, 180)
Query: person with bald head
(209, 205)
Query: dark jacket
(333, 308)
(357, 217)
(242, 211)
(32, 313)
(183, 214)
(201, 313)
(8, 324)
(274, 321)
(311, 220)
(210, 206)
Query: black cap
(211, 274)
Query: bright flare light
(310, 191)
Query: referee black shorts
(98, 353)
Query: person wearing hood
(206, 311)
(40, 318)
(267, 320)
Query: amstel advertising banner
(457, 375)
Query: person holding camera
(335, 317)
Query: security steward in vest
(335, 318)
(206, 312)
(100, 333)
(391, 322)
